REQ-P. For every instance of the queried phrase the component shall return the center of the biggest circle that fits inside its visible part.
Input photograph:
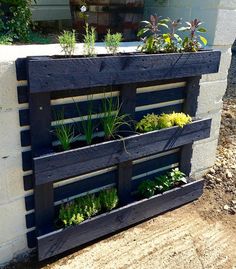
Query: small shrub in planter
(163, 183)
(112, 42)
(152, 122)
(67, 42)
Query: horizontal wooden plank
(58, 166)
(31, 239)
(23, 92)
(56, 74)
(101, 180)
(70, 110)
(25, 135)
(59, 241)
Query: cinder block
(10, 133)
(225, 27)
(8, 92)
(11, 176)
(204, 156)
(224, 65)
(210, 98)
(12, 221)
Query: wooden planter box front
(48, 74)
(58, 166)
(59, 241)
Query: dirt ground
(201, 235)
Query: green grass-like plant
(112, 42)
(89, 41)
(87, 122)
(67, 42)
(108, 199)
(64, 132)
(112, 121)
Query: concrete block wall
(12, 207)
(219, 18)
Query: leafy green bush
(67, 42)
(155, 41)
(148, 123)
(109, 199)
(69, 214)
(112, 42)
(16, 19)
(162, 183)
(147, 188)
(89, 205)
(152, 122)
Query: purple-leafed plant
(194, 41)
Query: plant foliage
(112, 42)
(89, 41)
(109, 199)
(67, 42)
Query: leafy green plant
(69, 214)
(112, 120)
(64, 132)
(112, 42)
(172, 41)
(147, 188)
(194, 41)
(151, 34)
(87, 122)
(148, 123)
(89, 205)
(180, 119)
(108, 199)
(67, 42)
(16, 19)
(6, 40)
(89, 41)
(177, 176)
(165, 121)
(163, 183)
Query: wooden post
(125, 169)
(190, 108)
(40, 126)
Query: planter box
(47, 74)
(59, 241)
(58, 166)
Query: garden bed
(61, 240)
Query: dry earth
(201, 235)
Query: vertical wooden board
(40, 123)
(190, 108)
(21, 69)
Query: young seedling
(67, 42)
(194, 41)
(112, 42)
(89, 41)
(64, 132)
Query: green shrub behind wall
(15, 19)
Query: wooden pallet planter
(58, 166)
(59, 241)
(51, 78)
